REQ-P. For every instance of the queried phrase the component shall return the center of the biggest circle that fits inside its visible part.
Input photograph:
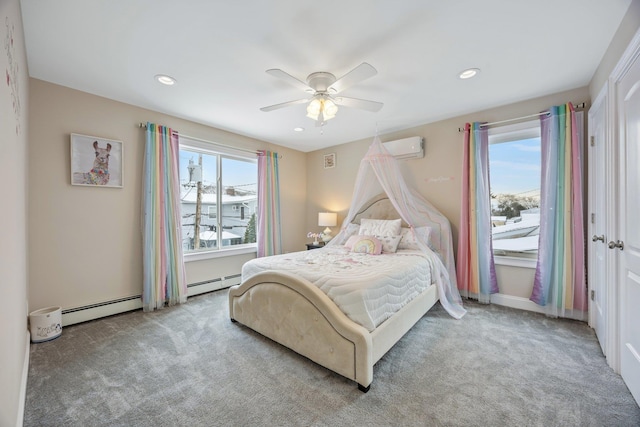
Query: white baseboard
(109, 308)
(23, 382)
(516, 302)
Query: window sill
(512, 261)
(219, 253)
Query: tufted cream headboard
(379, 207)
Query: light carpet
(190, 366)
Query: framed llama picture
(96, 162)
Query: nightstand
(315, 245)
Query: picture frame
(330, 161)
(96, 162)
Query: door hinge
(593, 141)
(593, 218)
(593, 294)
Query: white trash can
(45, 324)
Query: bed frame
(295, 313)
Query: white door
(627, 243)
(597, 224)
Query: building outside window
(219, 195)
(515, 180)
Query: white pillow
(409, 241)
(349, 231)
(380, 227)
(389, 243)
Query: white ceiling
(218, 50)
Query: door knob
(596, 238)
(616, 244)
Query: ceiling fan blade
(362, 104)
(358, 74)
(278, 73)
(284, 104)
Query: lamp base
(326, 235)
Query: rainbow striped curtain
(475, 269)
(559, 283)
(163, 267)
(269, 236)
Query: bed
(292, 300)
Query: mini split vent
(407, 148)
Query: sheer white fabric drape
(379, 172)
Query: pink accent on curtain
(476, 269)
(559, 283)
(164, 279)
(269, 236)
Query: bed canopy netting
(379, 172)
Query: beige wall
(14, 106)
(436, 176)
(85, 243)
(627, 29)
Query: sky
(234, 172)
(514, 167)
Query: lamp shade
(327, 219)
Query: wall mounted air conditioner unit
(407, 148)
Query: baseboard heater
(213, 285)
(89, 312)
(102, 309)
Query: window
(514, 165)
(217, 190)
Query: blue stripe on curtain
(269, 235)
(163, 266)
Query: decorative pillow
(367, 245)
(380, 227)
(351, 240)
(349, 231)
(389, 243)
(409, 241)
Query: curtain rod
(246, 150)
(581, 105)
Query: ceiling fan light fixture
(329, 109)
(321, 108)
(314, 108)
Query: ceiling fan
(323, 88)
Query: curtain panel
(163, 266)
(559, 283)
(476, 269)
(269, 234)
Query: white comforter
(367, 288)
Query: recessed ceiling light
(165, 80)
(468, 73)
(298, 129)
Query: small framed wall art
(330, 160)
(96, 162)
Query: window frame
(211, 149)
(510, 133)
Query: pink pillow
(351, 240)
(367, 245)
